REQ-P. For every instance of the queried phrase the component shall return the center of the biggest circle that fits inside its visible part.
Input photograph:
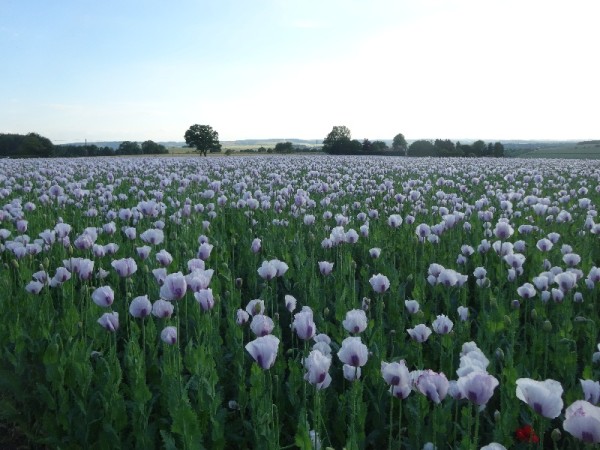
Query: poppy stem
(391, 419)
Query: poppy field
(300, 302)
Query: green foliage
(31, 145)
(421, 148)
(203, 138)
(284, 147)
(399, 144)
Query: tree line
(339, 142)
(33, 145)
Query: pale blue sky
(146, 69)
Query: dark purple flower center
(354, 361)
(537, 407)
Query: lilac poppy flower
(351, 373)
(125, 267)
(325, 267)
(256, 245)
(280, 267)
(353, 352)
(304, 324)
(412, 306)
(174, 287)
(140, 307)
(544, 397)
(261, 325)
(582, 420)
(241, 317)
(463, 313)
(267, 271)
(256, 306)
(164, 258)
(478, 387)
(34, 287)
(433, 385)
(442, 325)
(420, 333)
(379, 283)
(205, 299)
(317, 367)
(109, 321)
(526, 291)
(103, 296)
(143, 252)
(162, 309)
(396, 374)
(290, 303)
(395, 220)
(204, 251)
(264, 350)
(169, 335)
(153, 236)
(355, 321)
(591, 391)
(375, 252)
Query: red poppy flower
(527, 434)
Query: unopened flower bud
(276, 316)
(556, 435)
(326, 312)
(507, 321)
(493, 302)
(534, 314)
(500, 354)
(547, 325)
(239, 283)
(14, 263)
(515, 304)
(232, 404)
(497, 416)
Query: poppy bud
(46, 263)
(497, 416)
(547, 325)
(276, 316)
(515, 304)
(146, 269)
(14, 263)
(70, 251)
(507, 321)
(500, 354)
(493, 302)
(233, 404)
(556, 435)
(533, 314)
(238, 283)
(326, 312)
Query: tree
(399, 143)
(478, 148)
(379, 146)
(366, 145)
(203, 138)
(129, 148)
(284, 147)
(31, 145)
(337, 141)
(498, 150)
(152, 148)
(422, 148)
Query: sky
(75, 70)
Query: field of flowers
(300, 302)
